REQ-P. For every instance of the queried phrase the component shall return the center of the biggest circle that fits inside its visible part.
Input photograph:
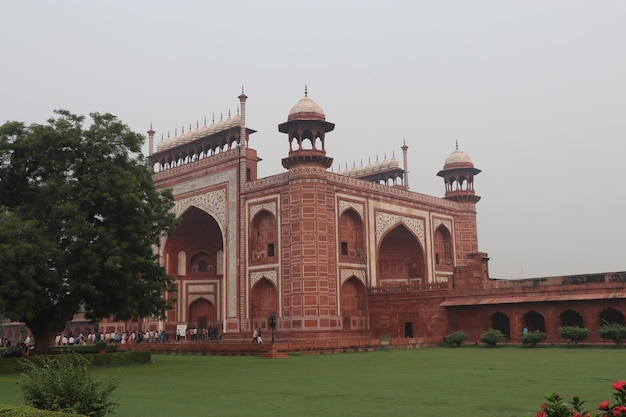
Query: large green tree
(79, 223)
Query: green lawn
(431, 382)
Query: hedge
(134, 357)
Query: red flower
(541, 414)
(619, 385)
(619, 410)
(577, 415)
(604, 405)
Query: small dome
(219, 126)
(212, 128)
(307, 108)
(353, 171)
(236, 120)
(377, 165)
(182, 138)
(169, 143)
(204, 130)
(360, 170)
(393, 163)
(458, 158)
(160, 145)
(228, 123)
(385, 163)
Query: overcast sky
(533, 91)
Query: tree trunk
(44, 335)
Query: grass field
(431, 382)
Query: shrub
(613, 331)
(455, 338)
(26, 411)
(533, 338)
(101, 346)
(556, 407)
(63, 383)
(574, 334)
(491, 337)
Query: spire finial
(213, 117)
(457, 144)
(205, 120)
(306, 92)
(242, 89)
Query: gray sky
(534, 92)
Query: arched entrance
(401, 258)
(201, 312)
(571, 318)
(263, 302)
(500, 321)
(534, 321)
(353, 304)
(610, 316)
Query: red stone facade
(347, 255)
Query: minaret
(309, 293)
(406, 166)
(458, 175)
(150, 140)
(306, 122)
(243, 141)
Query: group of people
(205, 334)
(15, 350)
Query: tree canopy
(79, 223)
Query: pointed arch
(611, 315)
(263, 241)
(400, 258)
(353, 303)
(571, 318)
(199, 234)
(534, 320)
(351, 237)
(500, 321)
(201, 312)
(263, 302)
(443, 246)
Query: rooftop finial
(457, 144)
(306, 93)
(242, 89)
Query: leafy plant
(101, 345)
(455, 338)
(533, 338)
(555, 406)
(491, 337)
(63, 383)
(574, 334)
(613, 331)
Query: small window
(437, 258)
(248, 176)
(344, 248)
(270, 249)
(202, 266)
